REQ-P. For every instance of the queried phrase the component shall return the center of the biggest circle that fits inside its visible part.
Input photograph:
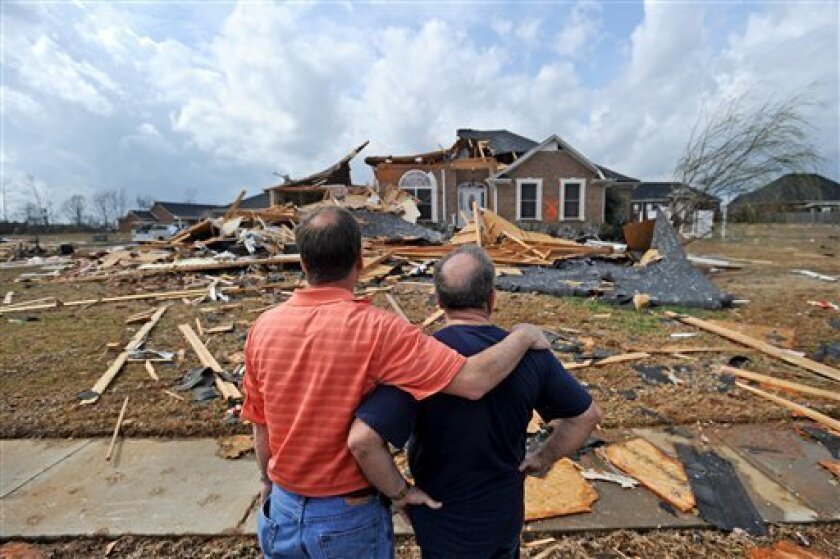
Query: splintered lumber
(140, 317)
(219, 329)
(396, 306)
(783, 384)
(187, 266)
(176, 396)
(7, 300)
(829, 422)
(432, 318)
(116, 366)
(227, 389)
(773, 351)
(151, 370)
(117, 429)
(199, 327)
(561, 492)
(654, 469)
(607, 360)
(234, 206)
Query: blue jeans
(290, 525)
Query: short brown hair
(330, 246)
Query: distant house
(181, 213)
(792, 193)
(135, 217)
(650, 198)
(518, 178)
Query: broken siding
(551, 167)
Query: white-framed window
(423, 186)
(528, 199)
(572, 199)
(651, 211)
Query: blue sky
(162, 99)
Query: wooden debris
(227, 389)
(151, 370)
(221, 329)
(235, 446)
(783, 384)
(783, 550)
(116, 366)
(805, 363)
(779, 337)
(654, 469)
(561, 492)
(174, 395)
(832, 466)
(117, 429)
(815, 275)
(635, 356)
(649, 257)
(829, 422)
(7, 300)
(432, 318)
(718, 263)
(199, 327)
(545, 553)
(538, 543)
(641, 301)
(396, 307)
(140, 317)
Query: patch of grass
(720, 314)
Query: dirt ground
(46, 362)
(622, 544)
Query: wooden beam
(477, 218)
(176, 396)
(227, 389)
(199, 327)
(780, 383)
(7, 300)
(396, 307)
(621, 358)
(219, 329)
(116, 366)
(151, 370)
(235, 205)
(829, 422)
(117, 429)
(432, 318)
(773, 351)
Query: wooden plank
(477, 218)
(773, 351)
(621, 358)
(829, 422)
(654, 469)
(140, 317)
(234, 206)
(689, 349)
(432, 318)
(227, 389)
(779, 383)
(117, 429)
(199, 327)
(176, 396)
(7, 300)
(219, 329)
(396, 306)
(114, 369)
(151, 370)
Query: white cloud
(19, 105)
(529, 30)
(581, 30)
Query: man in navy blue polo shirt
(468, 456)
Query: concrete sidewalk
(176, 487)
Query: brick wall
(551, 166)
(162, 214)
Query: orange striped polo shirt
(310, 362)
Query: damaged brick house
(522, 180)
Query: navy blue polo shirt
(466, 453)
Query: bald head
(464, 279)
(329, 241)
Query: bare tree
(74, 209)
(105, 204)
(144, 202)
(40, 200)
(737, 148)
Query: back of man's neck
(467, 317)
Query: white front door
(467, 193)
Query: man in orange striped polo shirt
(310, 362)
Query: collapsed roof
(338, 173)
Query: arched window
(422, 185)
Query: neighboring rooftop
(187, 210)
(143, 214)
(793, 188)
(256, 202)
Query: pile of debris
(662, 276)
